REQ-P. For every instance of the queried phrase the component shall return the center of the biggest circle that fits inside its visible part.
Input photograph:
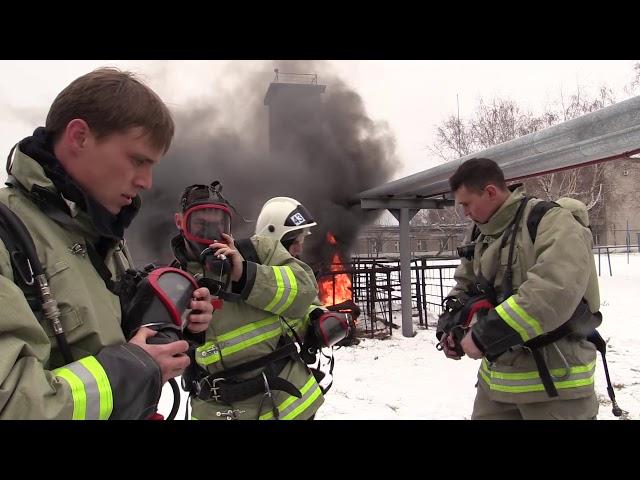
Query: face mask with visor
(161, 302)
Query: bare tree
(447, 221)
(634, 85)
(381, 232)
(501, 120)
(584, 183)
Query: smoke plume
(336, 154)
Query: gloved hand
(455, 322)
(448, 346)
(450, 307)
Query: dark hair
(112, 101)
(476, 174)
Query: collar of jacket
(503, 216)
(33, 164)
(180, 254)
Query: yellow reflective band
(279, 291)
(289, 400)
(202, 356)
(230, 348)
(251, 341)
(512, 323)
(248, 328)
(484, 376)
(539, 387)
(293, 292)
(238, 347)
(525, 316)
(556, 372)
(301, 408)
(77, 392)
(104, 387)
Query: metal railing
(295, 76)
(376, 289)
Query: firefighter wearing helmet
(248, 367)
(288, 221)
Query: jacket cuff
(249, 273)
(493, 336)
(135, 378)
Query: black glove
(456, 320)
(447, 320)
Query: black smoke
(336, 155)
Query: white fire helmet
(281, 216)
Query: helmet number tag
(297, 219)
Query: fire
(335, 289)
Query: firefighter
(544, 300)
(249, 367)
(75, 184)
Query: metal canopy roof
(607, 134)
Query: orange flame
(336, 288)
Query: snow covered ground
(407, 378)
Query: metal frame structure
(375, 285)
(611, 133)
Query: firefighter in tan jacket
(75, 184)
(248, 367)
(551, 278)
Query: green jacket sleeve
(282, 284)
(300, 325)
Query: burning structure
(310, 141)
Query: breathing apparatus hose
(162, 338)
(176, 399)
(49, 304)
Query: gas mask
(161, 302)
(325, 330)
(206, 215)
(204, 224)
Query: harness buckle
(208, 388)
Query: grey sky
(412, 96)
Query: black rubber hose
(176, 399)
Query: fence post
(441, 286)
(418, 290)
(628, 242)
(423, 294)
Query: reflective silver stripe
(525, 382)
(285, 293)
(535, 381)
(239, 343)
(90, 388)
(298, 402)
(310, 392)
(248, 336)
(521, 321)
